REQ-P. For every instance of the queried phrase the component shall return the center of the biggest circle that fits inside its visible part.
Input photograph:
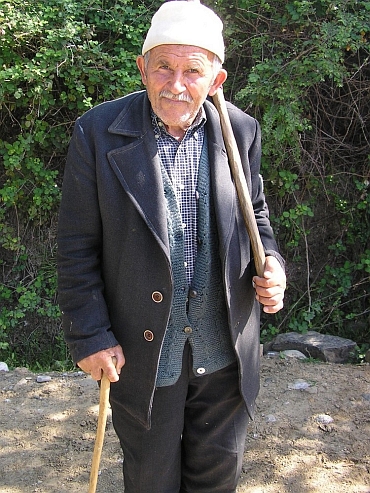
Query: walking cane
(102, 421)
(240, 183)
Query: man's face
(178, 79)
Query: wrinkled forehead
(181, 54)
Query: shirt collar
(198, 123)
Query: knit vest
(198, 314)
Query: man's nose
(177, 85)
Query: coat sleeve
(249, 144)
(80, 285)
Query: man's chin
(182, 121)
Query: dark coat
(113, 251)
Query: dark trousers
(196, 441)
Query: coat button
(193, 293)
(188, 330)
(157, 297)
(201, 371)
(148, 335)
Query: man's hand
(270, 288)
(100, 362)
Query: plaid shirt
(181, 161)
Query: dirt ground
(311, 433)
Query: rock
(3, 367)
(367, 356)
(324, 419)
(20, 383)
(43, 378)
(299, 385)
(74, 374)
(328, 348)
(272, 354)
(293, 353)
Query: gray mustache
(176, 97)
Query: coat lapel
(137, 167)
(224, 194)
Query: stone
(272, 354)
(20, 383)
(74, 374)
(324, 419)
(332, 349)
(367, 356)
(3, 367)
(299, 384)
(43, 378)
(293, 353)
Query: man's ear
(141, 66)
(217, 83)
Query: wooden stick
(102, 421)
(240, 183)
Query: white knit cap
(186, 23)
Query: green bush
(57, 60)
(302, 68)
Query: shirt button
(148, 335)
(157, 297)
(188, 330)
(201, 371)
